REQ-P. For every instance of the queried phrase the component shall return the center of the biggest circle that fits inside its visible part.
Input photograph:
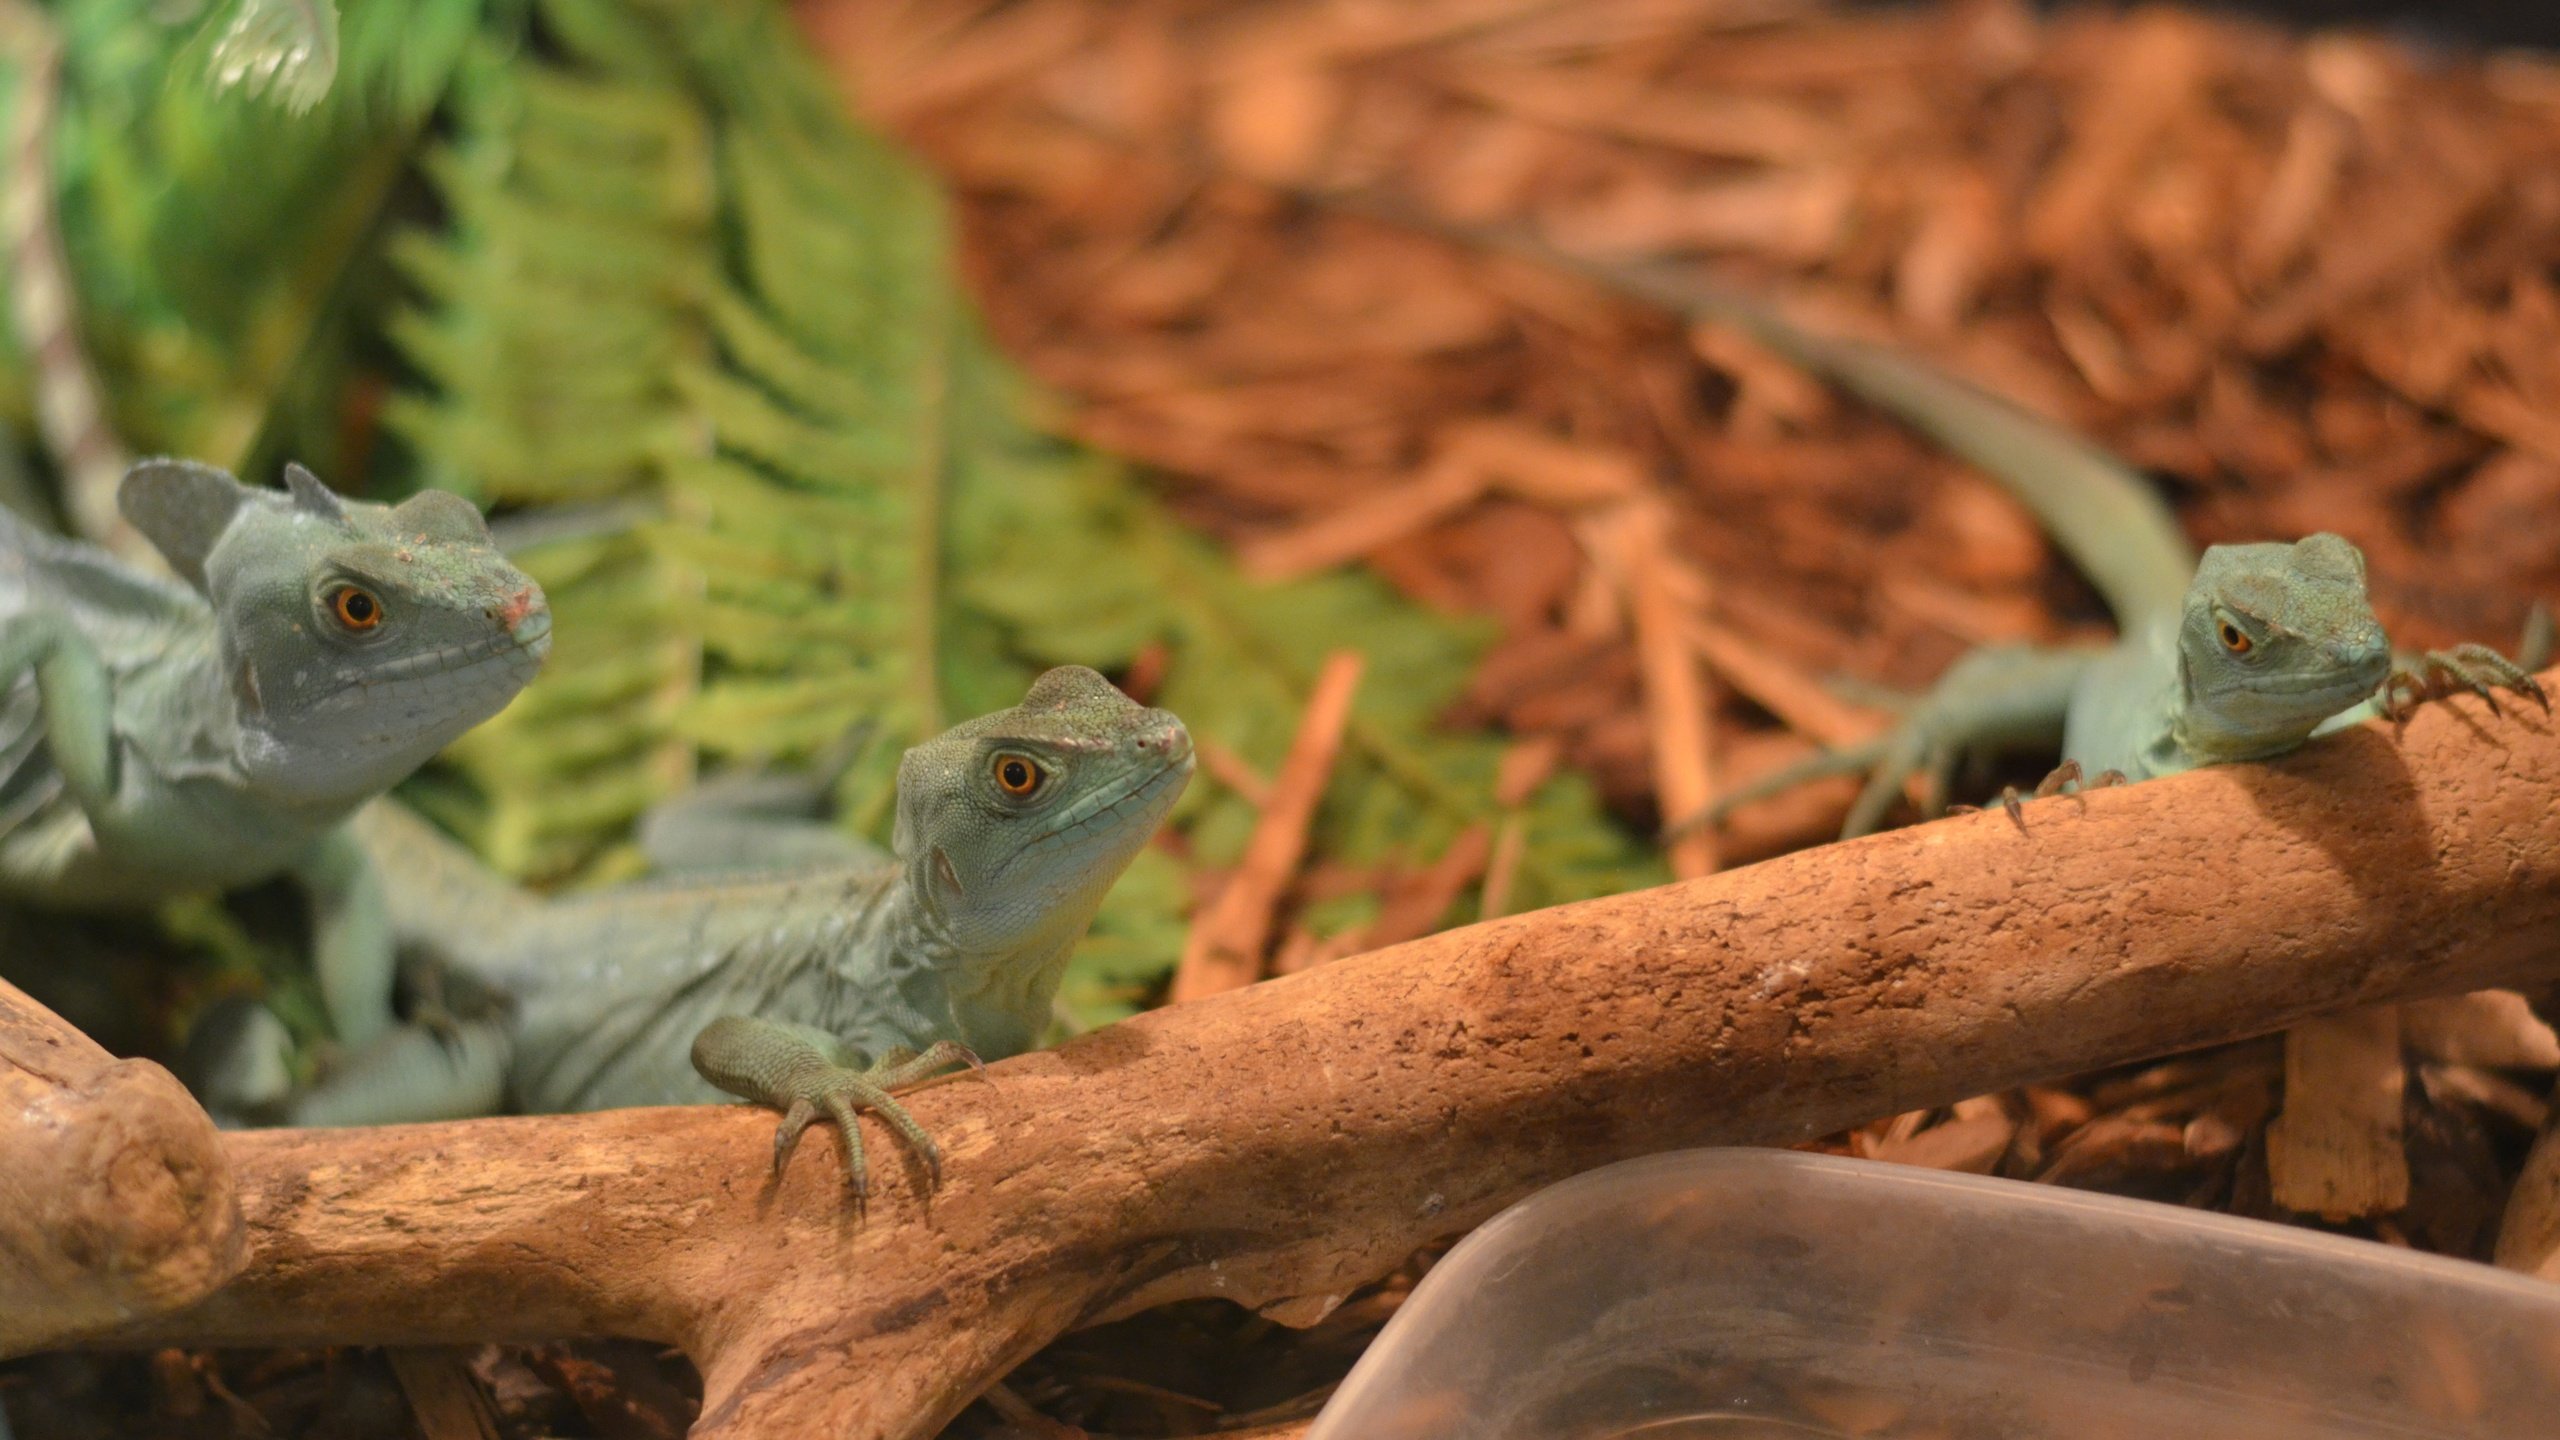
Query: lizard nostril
(519, 607)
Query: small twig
(446, 1401)
(2494, 1028)
(1783, 690)
(1416, 909)
(2336, 1149)
(1233, 771)
(1022, 1415)
(1502, 870)
(1339, 536)
(1225, 947)
(1676, 704)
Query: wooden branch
(1281, 1144)
(115, 1197)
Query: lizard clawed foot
(431, 1014)
(798, 1071)
(2066, 779)
(2439, 673)
(435, 1008)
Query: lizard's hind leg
(1991, 700)
(758, 820)
(1994, 700)
(411, 1074)
(1848, 760)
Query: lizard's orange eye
(355, 607)
(2233, 640)
(1018, 775)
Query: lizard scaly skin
(159, 738)
(815, 991)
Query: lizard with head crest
(158, 739)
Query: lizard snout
(527, 604)
(1172, 740)
(526, 617)
(2356, 654)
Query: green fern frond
(558, 305)
(864, 519)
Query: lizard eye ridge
(355, 608)
(1018, 775)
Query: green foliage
(557, 308)
(212, 231)
(654, 263)
(676, 270)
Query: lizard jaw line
(441, 664)
(1109, 802)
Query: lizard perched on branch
(1278, 1146)
(2242, 655)
(817, 990)
(159, 738)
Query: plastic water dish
(1772, 1295)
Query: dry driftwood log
(1280, 1144)
(115, 1197)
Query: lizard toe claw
(2468, 676)
(786, 1135)
(857, 1174)
(2532, 690)
(2469, 667)
(439, 1022)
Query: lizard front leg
(2439, 673)
(2066, 778)
(2435, 674)
(352, 949)
(78, 702)
(805, 1072)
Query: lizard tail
(2101, 511)
(2533, 652)
(70, 408)
(441, 896)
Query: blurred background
(860, 359)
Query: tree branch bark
(1281, 1144)
(115, 1197)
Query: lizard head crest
(1012, 826)
(2277, 638)
(359, 638)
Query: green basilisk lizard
(160, 738)
(2243, 654)
(816, 990)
